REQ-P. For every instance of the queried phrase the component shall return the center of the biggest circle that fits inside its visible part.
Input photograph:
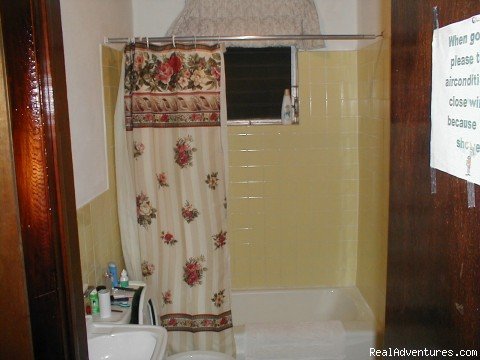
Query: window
(255, 82)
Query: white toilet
(200, 355)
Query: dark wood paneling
(433, 292)
(15, 305)
(44, 176)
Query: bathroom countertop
(120, 314)
(122, 317)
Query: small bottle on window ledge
(287, 111)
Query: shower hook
(148, 42)
(195, 40)
(173, 41)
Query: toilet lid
(200, 355)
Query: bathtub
(303, 305)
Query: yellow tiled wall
(308, 203)
(374, 152)
(99, 234)
(293, 197)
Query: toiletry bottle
(112, 269)
(108, 280)
(94, 302)
(86, 301)
(287, 113)
(124, 279)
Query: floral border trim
(174, 121)
(177, 125)
(197, 323)
(172, 87)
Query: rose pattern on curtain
(173, 123)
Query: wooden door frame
(45, 222)
(11, 266)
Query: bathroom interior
(307, 203)
(302, 234)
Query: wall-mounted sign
(455, 141)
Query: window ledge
(256, 122)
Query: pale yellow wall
(374, 145)
(308, 202)
(98, 230)
(293, 195)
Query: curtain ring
(148, 42)
(173, 41)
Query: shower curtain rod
(174, 38)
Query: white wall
(338, 17)
(370, 18)
(153, 17)
(84, 25)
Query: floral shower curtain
(173, 121)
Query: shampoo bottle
(112, 269)
(287, 111)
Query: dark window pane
(255, 81)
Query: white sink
(125, 342)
